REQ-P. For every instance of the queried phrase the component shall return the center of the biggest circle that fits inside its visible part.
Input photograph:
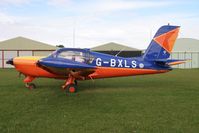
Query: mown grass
(166, 103)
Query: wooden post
(17, 53)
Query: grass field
(166, 103)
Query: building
(186, 48)
(21, 46)
(117, 49)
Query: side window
(67, 55)
(91, 59)
(88, 58)
(79, 57)
(72, 55)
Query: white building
(186, 48)
(21, 46)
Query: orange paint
(71, 80)
(177, 63)
(27, 66)
(106, 72)
(28, 79)
(71, 89)
(167, 40)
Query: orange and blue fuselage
(118, 67)
(91, 65)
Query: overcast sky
(130, 22)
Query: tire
(71, 89)
(30, 86)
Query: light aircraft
(72, 64)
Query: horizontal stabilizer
(176, 62)
(169, 62)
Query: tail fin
(162, 43)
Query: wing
(64, 67)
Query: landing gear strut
(71, 85)
(28, 83)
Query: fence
(8, 54)
(192, 63)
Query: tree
(60, 46)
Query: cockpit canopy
(79, 55)
(72, 55)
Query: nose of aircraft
(10, 61)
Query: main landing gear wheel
(30, 86)
(71, 88)
(70, 85)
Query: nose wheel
(28, 83)
(30, 86)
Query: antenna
(120, 51)
(150, 33)
(74, 30)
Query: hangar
(186, 48)
(117, 49)
(21, 46)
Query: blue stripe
(156, 52)
(165, 29)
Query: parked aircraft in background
(73, 64)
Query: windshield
(52, 54)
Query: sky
(88, 23)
